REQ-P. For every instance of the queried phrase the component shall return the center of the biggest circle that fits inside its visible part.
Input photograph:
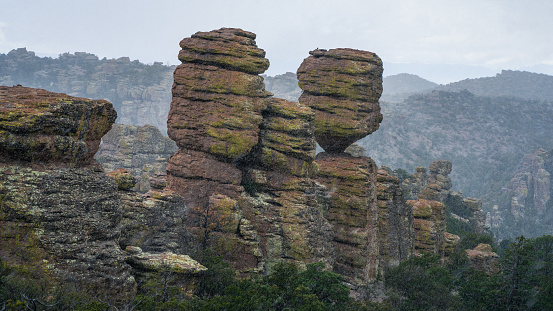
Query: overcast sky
(485, 35)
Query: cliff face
(64, 220)
(141, 150)
(61, 217)
(528, 210)
(140, 93)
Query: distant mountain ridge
(522, 84)
(484, 137)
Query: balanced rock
(343, 86)
(41, 127)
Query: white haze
(440, 40)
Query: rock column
(343, 87)
(215, 113)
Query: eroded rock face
(343, 86)
(141, 150)
(396, 223)
(215, 113)
(60, 212)
(430, 234)
(67, 221)
(353, 214)
(53, 129)
(529, 199)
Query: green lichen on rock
(51, 128)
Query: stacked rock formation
(215, 113)
(430, 225)
(436, 186)
(54, 129)
(530, 202)
(141, 150)
(343, 86)
(289, 221)
(483, 258)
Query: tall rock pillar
(215, 113)
(343, 87)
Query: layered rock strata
(141, 150)
(343, 86)
(215, 112)
(286, 204)
(430, 225)
(54, 129)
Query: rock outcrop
(140, 93)
(436, 186)
(483, 258)
(141, 150)
(62, 217)
(343, 87)
(60, 214)
(528, 208)
(53, 129)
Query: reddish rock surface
(215, 112)
(353, 214)
(343, 86)
(54, 129)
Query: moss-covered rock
(343, 86)
(37, 126)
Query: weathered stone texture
(343, 86)
(429, 226)
(73, 215)
(353, 214)
(45, 128)
(141, 150)
(396, 223)
(483, 258)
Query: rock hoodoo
(343, 86)
(215, 113)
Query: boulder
(52, 129)
(343, 86)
